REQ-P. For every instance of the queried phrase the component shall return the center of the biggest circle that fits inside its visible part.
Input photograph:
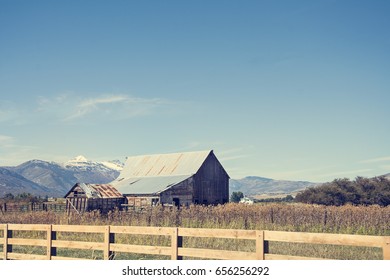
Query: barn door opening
(176, 201)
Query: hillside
(253, 185)
(48, 174)
(56, 178)
(11, 182)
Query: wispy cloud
(230, 151)
(6, 143)
(4, 139)
(374, 160)
(69, 107)
(233, 157)
(232, 154)
(11, 152)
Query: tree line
(22, 197)
(361, 191)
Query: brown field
(366, 220)
(363, 220)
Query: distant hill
(57, 178)
(48, 174)
(12, 182)
(253, 185)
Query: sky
(291, 90)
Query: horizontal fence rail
(103, 239)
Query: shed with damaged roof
(178, 179)
(88, 197)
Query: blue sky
(295, 90)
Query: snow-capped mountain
(81, 163)
(114, 164)
(60, 177)
(88, 171)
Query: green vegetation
(23, 197)
(361, 191)
(287, 198)
(236, 197)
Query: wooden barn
(173, 179)
(87, 197)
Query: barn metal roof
(106, 190)
(164, 164)
(100, 191)
(148, 185)
(150, 174)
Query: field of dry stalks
(364, 220)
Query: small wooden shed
(88, 197)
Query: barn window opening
(155, 201)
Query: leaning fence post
(386, 248)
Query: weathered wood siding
(141, 200)
(181, 193)
(104, 204)
(77, 191)
(211, 183)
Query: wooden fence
(107, 235)
(32, 207)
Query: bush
(361, 191)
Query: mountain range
(53, 179)
(252, 186)
(43, 178)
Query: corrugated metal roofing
(150, 174)
(100, 191)
(148, 185)
(107, 191)
(164, 164)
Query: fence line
(32, 207)
(176, 251)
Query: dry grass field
(363, 220)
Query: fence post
(53, 250)
(51, 235)
(260, 244)
(7, 248)
(48, 242)
(176, 243)
(5, 244)
(386, 248)
(108, 239)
